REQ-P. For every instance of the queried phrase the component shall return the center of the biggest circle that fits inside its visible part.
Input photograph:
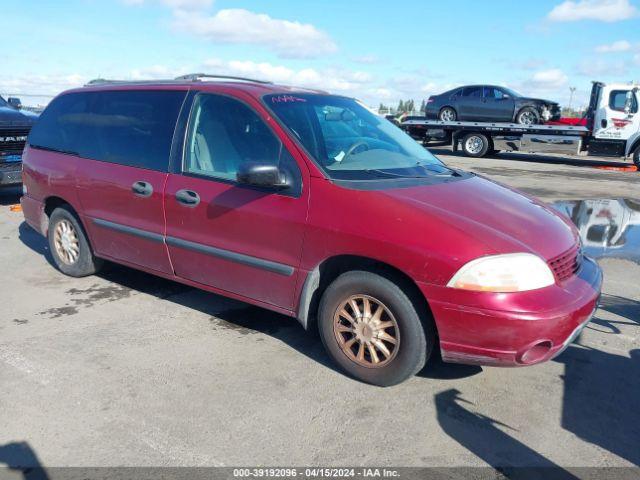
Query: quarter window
(618, 100)
(224, 133)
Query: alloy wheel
(366, 331)
(527, 118)
(65, 239)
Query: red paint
(427, 232)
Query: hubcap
(527, 118)
(447, 115)
(65, 240)
(474, 144)
(366, 331)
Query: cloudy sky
(376, 50)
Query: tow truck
(612, 130)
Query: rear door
(125, 147)
(240, 239)
(470, 105)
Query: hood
(500, 219)
(11, 116)
(538, 100)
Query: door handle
(142, 189)
(188, 198)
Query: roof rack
(104, 81)
(191, 77)
(197, 77)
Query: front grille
(12, 140)
(566, 265)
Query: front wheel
(372, 330)
(475, 145)
(636, 158)
(528, 116)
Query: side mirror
(14, 102)
(506, 96)
(261, 175)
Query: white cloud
(599, 10)
(636, 59)
(548, 79)
(289, 39)
(332, 79)
(619, 46)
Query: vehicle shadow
(20, 457)
(599, 404)
(548, 159)
(232, 314)
(36, 242)
(480, 435)
(436, 369)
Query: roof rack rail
(196, 77)
(104, 81)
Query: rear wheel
(448, 114)
(636, 157)
(372, 330)
(69, 246)
(475, 145)
(528, 116)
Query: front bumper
(10, 173)
(514, 329)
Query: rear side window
(472, 92)
(133, 128)
(618, 100)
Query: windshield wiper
(391, 174)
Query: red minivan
(311, 205)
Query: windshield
(350, 142)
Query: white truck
(612, 130)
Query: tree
(401, 107)
(423, 106)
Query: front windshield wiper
(389, 174)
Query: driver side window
(224, 133)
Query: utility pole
(572, 90)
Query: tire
(528, 116)
(636, 157)
(448, 114)
(65, 232)
(476, 145)
(415, 339)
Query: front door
(617, 117)
(498, 106)
(125, 145)
(240, 239)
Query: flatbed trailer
(478, 139)
(613, 130)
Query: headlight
(512, 272)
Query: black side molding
(274, 267)
(136, 232)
